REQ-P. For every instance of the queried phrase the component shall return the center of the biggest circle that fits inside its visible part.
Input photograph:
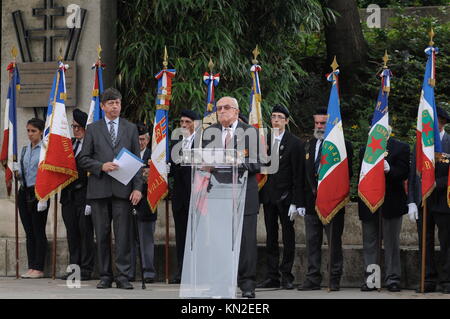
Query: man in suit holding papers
(109, 198)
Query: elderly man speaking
(230, 130)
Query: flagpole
(165, 64)
(432, 82)
(16, 224)
(55, 229)
(424, 246)
(16, 187)
(55, 210)
(380, 211)
(380, 240)
(167, 238)
(330, 255)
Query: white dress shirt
(230, 129)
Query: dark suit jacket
(142, 208)
(286, 183)
(75, 192)
(97, 150)
(395, 198)
(438, 199)
(310, 186)
(181, 188)
(241, 138)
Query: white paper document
(129, 165)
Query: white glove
(301, 211)
(168, 168)
(42, 205)
(413, 212)
(87, 210)
(292, 212)
(387, 168)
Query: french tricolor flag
(428, 141)
(9, 147)
(95, 111)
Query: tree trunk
(345, 40)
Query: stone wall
(99, 28)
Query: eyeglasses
(224, 107)
(276, 116)
(76, 127)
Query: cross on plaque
(48, 33)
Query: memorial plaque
(36, 80)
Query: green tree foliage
(405, 42)
(226, 31)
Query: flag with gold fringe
(333, 186)
(57, 167)
(157, 177)
(255, 115)
(212, 81)
(428, 141)
(372, 181)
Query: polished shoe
(124, 284)
(334, 286)
(364, 287)
(104, 284)
(308, 285)
(429, 287)
(174, 281)
(394, 287)
(248, 294)
(288, 285)
(268, 283)
(149, 280)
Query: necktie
(112, 133)
(185, 143)
(317, 161)
(77, 145)
(228, 138)
(276, 146)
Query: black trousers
(271, 215)
(80, 236)
(118, 211)
(443, 225)
(180, 218)
(314, 237)
(248, 254)
(431, 274)
(34, 225)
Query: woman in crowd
(33, 213)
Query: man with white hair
(232, 131)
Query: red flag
(57, 166)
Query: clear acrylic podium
(213, 238)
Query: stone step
(352, 273)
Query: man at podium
(230, 133)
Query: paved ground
(11, 288)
